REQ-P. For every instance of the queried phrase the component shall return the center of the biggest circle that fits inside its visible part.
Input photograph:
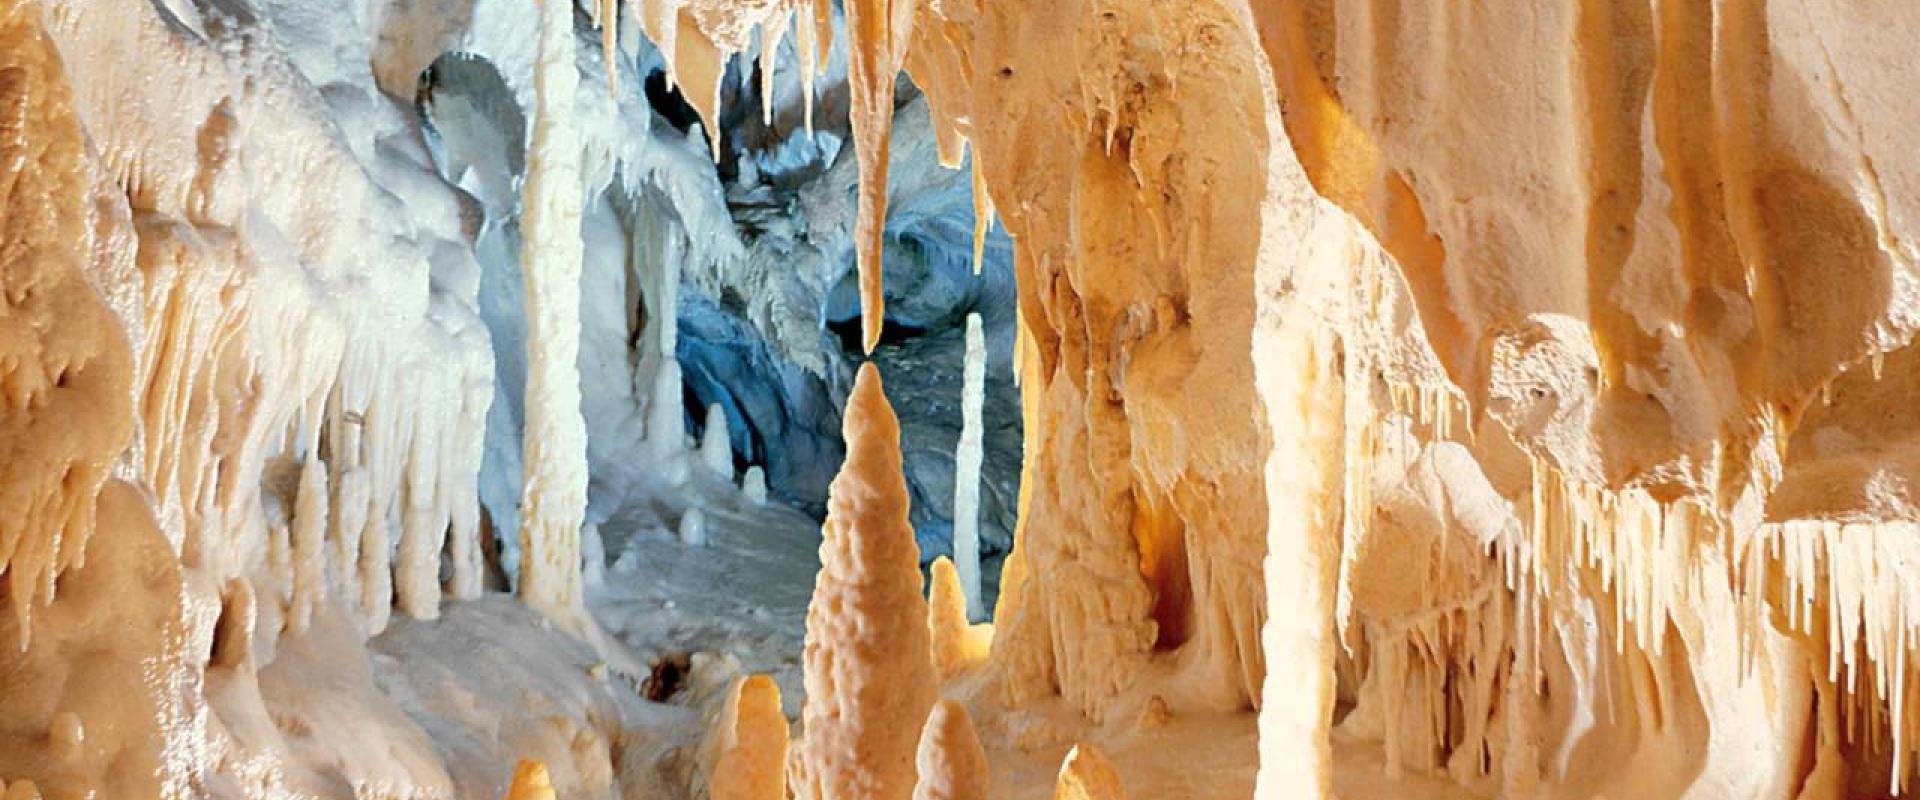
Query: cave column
(1302, 280)
(554, 497)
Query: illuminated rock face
(1538, 418)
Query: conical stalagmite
(745, 754)
(531, 782)
(952, 764)
(869, 676)
(956, 643)
(1086, 774)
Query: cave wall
(1546, 301)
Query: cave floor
(744, 593)
(491, 682)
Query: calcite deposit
(1423, 399)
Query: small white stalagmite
(753, 483)
(693, 528)
(869, 676)
(716, 449)
(952, 764)
(666, 414)
(554, 499)
(967, 458)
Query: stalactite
(553, 505)
(968, 455)
(878, 32)
(951, 762)
(869, 675)
(982, 214)
(608, 17)
(772, 33)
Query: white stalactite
(554, 497)
(967, 458)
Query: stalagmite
(309, 535)
(531, 782)
(593, 556)
(666, 411)
(957, 645)
(753, 484)
(966, 468)
(744, 754)
(951, 763)
(423, 532)
(1086, 774)
(716, 450)
(376, 574)
(878, 32)
(869, 676)
(554, 499)
(68, 734)
(693, 528)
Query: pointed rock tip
(869, 424)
